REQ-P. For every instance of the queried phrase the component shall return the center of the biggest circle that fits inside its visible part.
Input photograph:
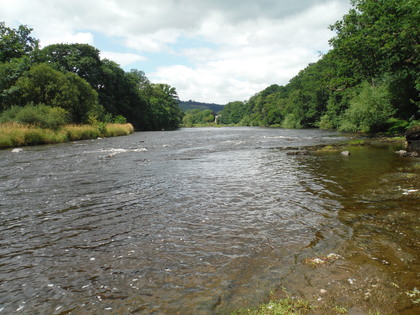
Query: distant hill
(185, 106)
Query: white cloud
(123, 59)
(232, 49)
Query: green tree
(232, 113)
(196, 116)
(16, 43)
(163, 100)
(379, 39)
(369, 111)
(81, 59)
(125, 94)
(9, 74)
(44, 85)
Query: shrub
(37, 115)
(369, 110)
(119, 119)
(397, 126)
(291, 121)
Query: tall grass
(15, 134)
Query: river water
(198, 221)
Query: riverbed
(206, 221)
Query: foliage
(163, 100)
(369, 110)
(44, 85)
(16, 43)
(73, 77)
(196, 116)
(190, 105)
(376, 42)
(233, 112)
(9, 74)
(80, 59)
(14, 134)
(37, 115)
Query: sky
(213, 51)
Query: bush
(369, 110)
(291, 121)
(119, 119)
(40, 115)
(397, 126)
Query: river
(204, 221)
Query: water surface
(194, 221)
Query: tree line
(74, 80)
(368, 81)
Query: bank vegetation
(14, 134)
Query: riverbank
(355, 142)
(375, 270)
(17, 135)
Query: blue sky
(213, 51)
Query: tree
(163, 100)
(9, 74)
(377, 40)
(120, 94)
(232, 113)
(44, 85)
(16, 43)
(369, 110)
(81, 59)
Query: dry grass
(16, 135)
(115, 130)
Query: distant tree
(233, 112)
(196, 116)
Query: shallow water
(195, 221)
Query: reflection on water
(191, 221)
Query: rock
(17, 150)
(297, 152)
(413, 139)
(401, 152)
(345, 153)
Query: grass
(16, 135)
(280, 307)
(286, 306)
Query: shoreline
(346, 278)
(14, 135)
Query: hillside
(188, 105)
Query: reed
(16, 135)
(81, 132)
(115, 130)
